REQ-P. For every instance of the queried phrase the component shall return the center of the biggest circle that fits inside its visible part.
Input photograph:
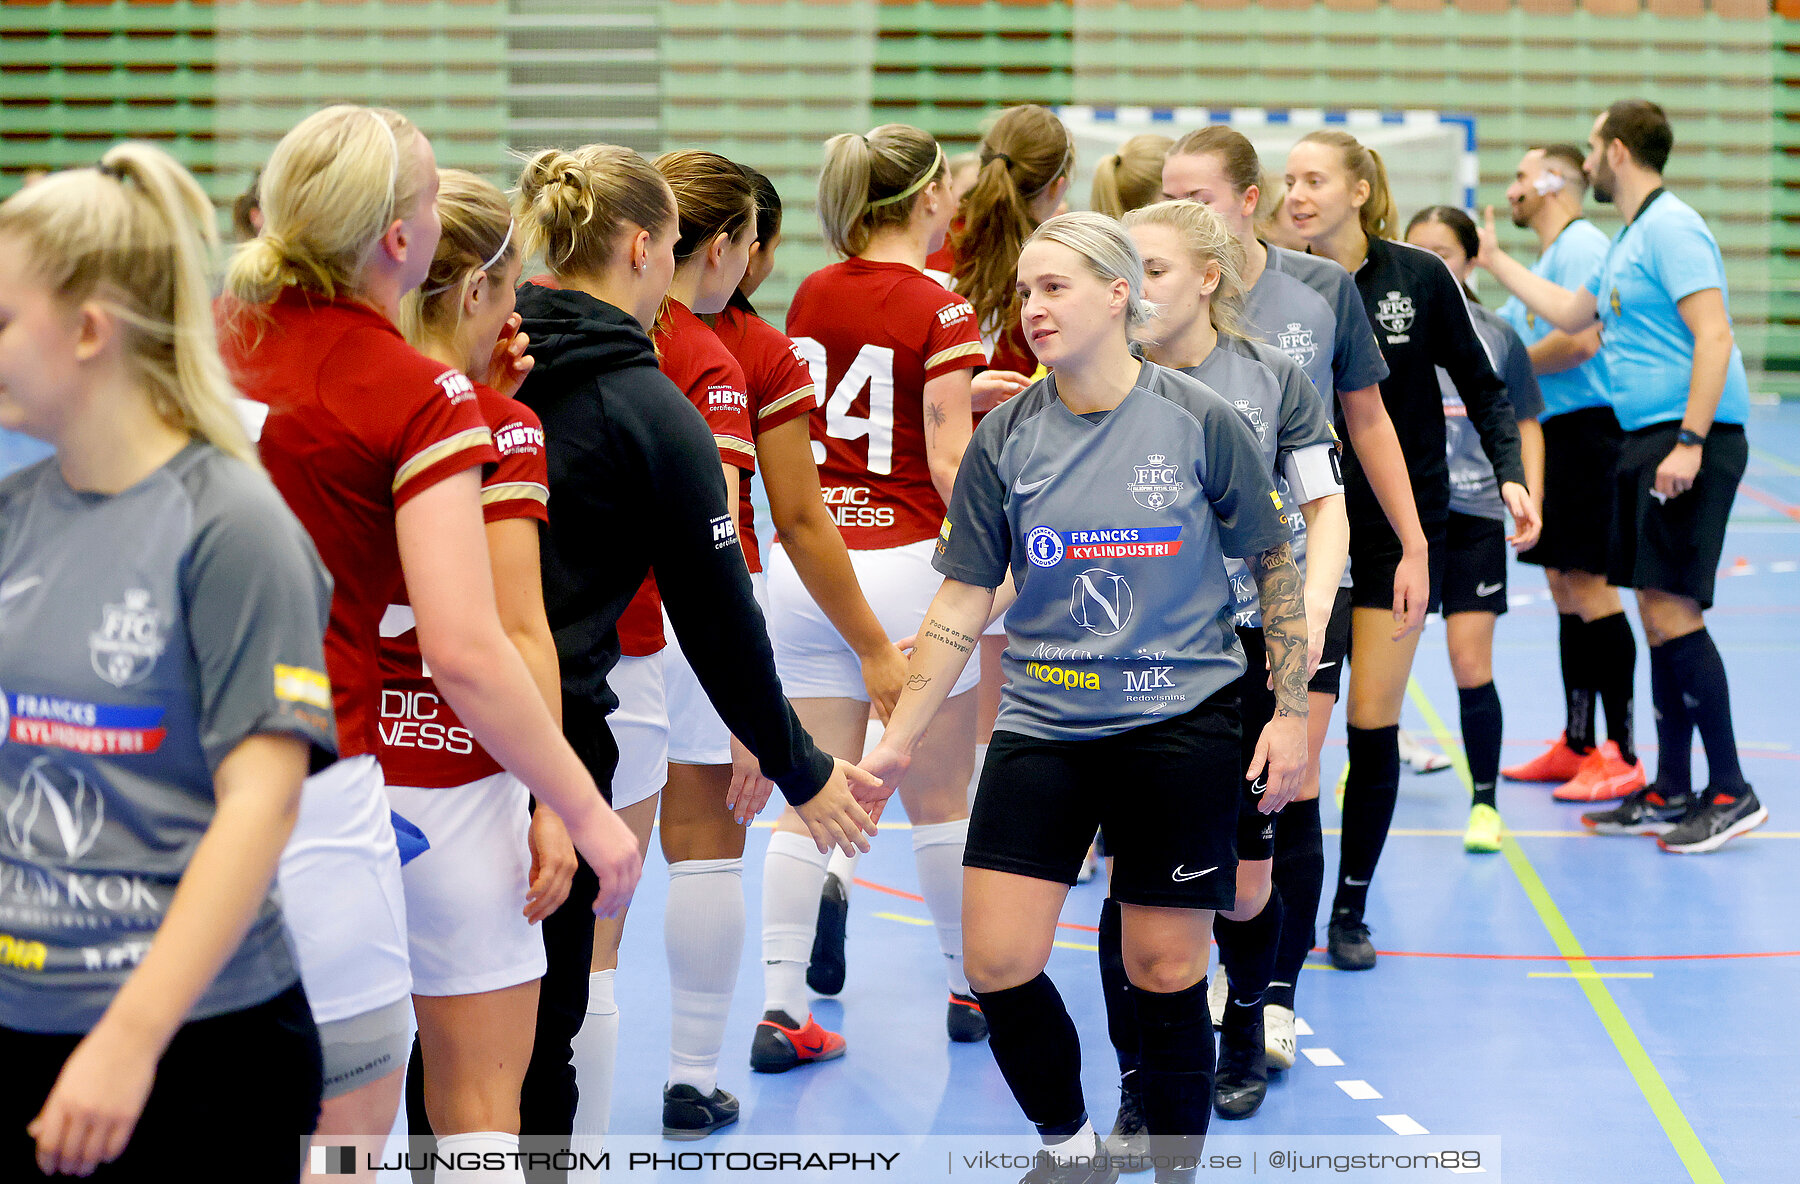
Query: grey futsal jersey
(143, 636)
(1473, 489)
(1299, 448)
(1309, 308)
(1115, 527)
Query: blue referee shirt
(1664, 254)
(1573, 256)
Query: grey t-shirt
(1473, 489)
(1116, 528)
(1309, 308)
(143, 636)
(1299, 448)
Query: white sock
(793, 875)
(981, 751)
(844, 868)
(477, 1143)
(703, 933)
(1083, 1144)
(596, 1050)
(938, 854)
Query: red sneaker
(780, 1044)
(1604, 777)
(1560, 763)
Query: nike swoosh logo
(1325, 665)
(1181, 877)
(1356, 883)
(1027, 486)
(1234, 1095)
(1260, 784)
(1486, 589)
(14, 588)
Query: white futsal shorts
(814, 661)
(465, 896)
(697, 736)
(640, 728)
(341, 893)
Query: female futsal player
(1338, 197)
(1111, 492)
(378, 451)
(1192, 273)
(1475, 532)
(633, 462)
(161, 616)
(1132, 176)
(1310, 309)
(891, 353)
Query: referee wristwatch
(1689, 436)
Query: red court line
(1770, 500)
(912, 896)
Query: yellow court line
(1675, 1125)
(1769, 458)
(1589, 974)
(1428, 833)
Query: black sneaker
(825, 973)
(1129, 1143)
(1243, 1076)
(1645, 811)
(1347, 940)
(1718, 819)
(688, 1114)
(1047, 1171)
(964, 1021)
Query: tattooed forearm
(917, 682)
(1283, 598)
(956, 639)
(935, 416)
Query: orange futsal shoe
(1560, 763)
(781, 1044)
(1604, 777)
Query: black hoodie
(635, 484)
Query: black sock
(1300, 879)
(1369, 797)
(1177, 1073)
(1039, 1054)
(1578, 693)
(1247, 950)
(1481, 728)
(418, 1123)
(1700, 675)
(1674, 727)
(1612, 653)
(1121, 1012)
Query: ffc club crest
(1296, 341)
(1396, 313)
(125, 647)
(1253, 413)
(1153, 484)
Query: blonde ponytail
(873, 181)
(1131, 177)
(573, 206)
(137, 234)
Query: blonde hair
(333, 186)
(1208, 240)
(1108, 252)
(1130, 177)
(873, 181)
(477, 236)
(136, 235)
(1022, 155)
(1378, 216)
(573, 205)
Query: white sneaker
(1216, 992)
(1278, 1035)
(1422, 759)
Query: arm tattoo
(956, 639)
(934, 415)
(917, 682)
(1283, 599)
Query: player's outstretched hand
(884, 677)
(1412, 592)
(612, 851)
(553, 864)
(509, 363)
(1489, 239)
(990, 388)
(96, 1101)
(749, 791)
(1528, 523)
(835, 816)
(1279, 762)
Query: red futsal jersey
(873, 335)
(423, 743)
(359, 423)
(780, 387)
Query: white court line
(1400, 1124)
(1362, 1091)
(1301, 1027)
(1324, 1058)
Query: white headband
(492, 259)
(394, 168)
